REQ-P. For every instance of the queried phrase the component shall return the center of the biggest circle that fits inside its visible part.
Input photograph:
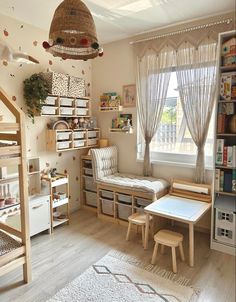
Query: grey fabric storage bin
(124, 211)
(90, 185)
(125, 198)
(107, 194)
(91, 198)
(108, 207)
(142, 202)
(87, 164)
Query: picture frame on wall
(129, 95)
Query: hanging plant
(35, 93)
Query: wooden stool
(139, 220)
(171, 239)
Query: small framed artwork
(129, 95)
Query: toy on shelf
(110, 101)
(123, 123)
(229, 52)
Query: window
(173, 142)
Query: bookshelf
(223, 237)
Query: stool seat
(138, 218)
(168, 238)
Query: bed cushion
(138, 183)
(7, 244)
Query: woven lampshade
(72, 33)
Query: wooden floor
(62, 256)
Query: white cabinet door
(39, 215)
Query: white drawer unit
(66, 111)
(107, 207)
(93, 141)
(39, 214)
(225, 235)
(81, 103)
(81, 111)
(79, 143)
(79, 134)
(66, 102)
(63, 145)
(225, 219)
(48, 110)
(51, 100)
(92, 134)
(63, 135)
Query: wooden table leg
(191, 244)
(146, 232)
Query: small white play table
(180, 209)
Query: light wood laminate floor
(70, 250)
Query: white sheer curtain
(196, 76)
(153, 75)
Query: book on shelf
(221, 118)
(222, 180)
(219, 151)
(234, 180)
(228, 85)
(227, 187)
(217, 180)
(226, 108)
(229, 162)
(225, 154)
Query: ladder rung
(9, 127)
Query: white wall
(21, 35)
(115, 69)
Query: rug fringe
(181, 280)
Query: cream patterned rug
(115, 279)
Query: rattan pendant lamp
(72, 33)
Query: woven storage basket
(76, 87)
(72, 22)
(57, 82)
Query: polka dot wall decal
(83, 71)
(60, 154)
(35, 43)
(77, 178)
(73, 66)
(69, 197)
(14, 98)
(20, 65)
(22, 26)
(47, 165)
(50, 62)
(37, 137)
(74, 158)
(65, 171)
(19, 48)
(5, 32)
(29, 150)
(12, 75)
(5, 63)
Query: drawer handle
(36, 207)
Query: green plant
(35, 93)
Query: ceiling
(118, 19)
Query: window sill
(174, 164)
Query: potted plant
(35, 93)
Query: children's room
(117, 151)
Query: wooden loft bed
(15, 244)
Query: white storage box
(79, 135)
(50, 100)
(66, 111)
(91, 198)
(63, 145)
(79, 143)
(92, 134)
(63, 135)
(225, 235)
(107, 194)
(81, 111)
(90, 185)
(48, 110)
(81, 103)
(225, 219)
(88, 172)
(92, 141)
(66, 102)
(107, 207)
(124, 211)
(125, 198)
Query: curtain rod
(229, 20)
